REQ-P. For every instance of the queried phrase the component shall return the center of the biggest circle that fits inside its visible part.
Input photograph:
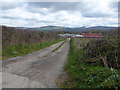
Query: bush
(104, 49)
(84, 75)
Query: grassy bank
(83, 75)
(13, 51)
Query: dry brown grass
(80, 42)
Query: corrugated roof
(91, 34)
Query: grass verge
(13, 51)
(83, 75)
(58, 47)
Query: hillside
(77, 29)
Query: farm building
(91, 35)
(82, 35)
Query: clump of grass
(58, 47)
(13, 51)
(83, 75)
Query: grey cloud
(90, 10)
(28, 20)
(43, 21)
(55, 5)
(11, 18)
(113, 5)
(36, 10)
(11, 5)
(96, 15)
(86, 9)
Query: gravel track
(39, 69)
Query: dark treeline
(112, 32)
(12, 36)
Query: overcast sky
(69, 14)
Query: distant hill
(60, 28)
(95, 28)
(51, 28)
(102, 28)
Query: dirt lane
(39, 69)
